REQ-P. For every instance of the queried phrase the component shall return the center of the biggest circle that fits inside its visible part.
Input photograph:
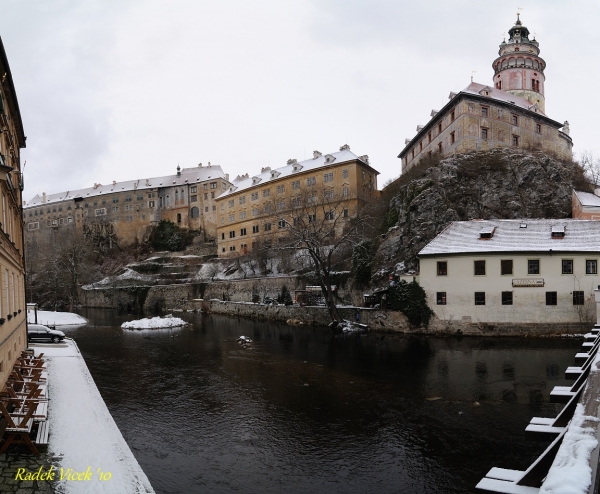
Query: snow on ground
(82, 431)
(155, 322)
(571, 472)
(126, 275)
(56, 318)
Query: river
(305, 410)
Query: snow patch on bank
(154, 323)
(56, 318)
(82, 430)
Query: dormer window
(487, 232)
(255, 180)
(558, 231)
(329, 158)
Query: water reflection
(304, 410)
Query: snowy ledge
(571, 472)
(56, 318)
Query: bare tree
(320, 227)
(591, 166)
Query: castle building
(508, 113)
(123, 211)
(259, 209)
(13, 331)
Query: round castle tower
(519, 69)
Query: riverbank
(83, 435)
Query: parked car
(44, 333)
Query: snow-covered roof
(587, 200)
(293, 167)
(500, 95)
(523, 235)
(188, 176)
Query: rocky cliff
(501, 183)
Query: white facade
(522, 273)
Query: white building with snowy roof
(514, 272)
(123, 211)
(508, 113)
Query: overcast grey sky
(123, 89)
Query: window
(242, 215)
(33, 226)
(591, 267)
(296, 202)
(193, 198)
(268, 208)
(254, 196)
(452, 116)
(507, 298)
(139, 198)
(578, 298)
(429, 137)
(421, 146)
(538, 128)
(206, 209)
(115, 209)
(267, 227)
(206, 196)
(328, 177)
(222, 206)
(515, 140)
(205, 186)
(230, 203)
(441, 298)
(115, 199)
(439, 128)
(328, 195)
(329, 215)
(281, 224)
(213, 185)
(128, 199)
(550, 298)
(345, 192)
(214, 208)
(346, 214)
(479, 267)
(484, 111)
(242, 232)
(515, 119)
(266, 192)
(452, 137)
(242, 200)
(222, 220)
(345, 173)
(232, 234)
(295, 184)
(255, 229)
(255, 212)
(312, 218)
(440, 148)
(280, 205)
(222, 236)
(195, 212)
(506, 266)
(100, 212)
(194, 189)
(479, 298)
(533, 266)
(232, 248)
(231, 218)
(442, 268)
(311, 181)
(311, 199)
(212, 195)
(484, 133)
(567, 266)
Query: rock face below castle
(500, 183)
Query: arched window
(195, 212)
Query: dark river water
(303, 410)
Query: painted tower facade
(519, 70)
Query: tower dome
(519, 69)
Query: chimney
(114, 183)
(43, 198)
(199, 165)
(178, 171)
(227, 177)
